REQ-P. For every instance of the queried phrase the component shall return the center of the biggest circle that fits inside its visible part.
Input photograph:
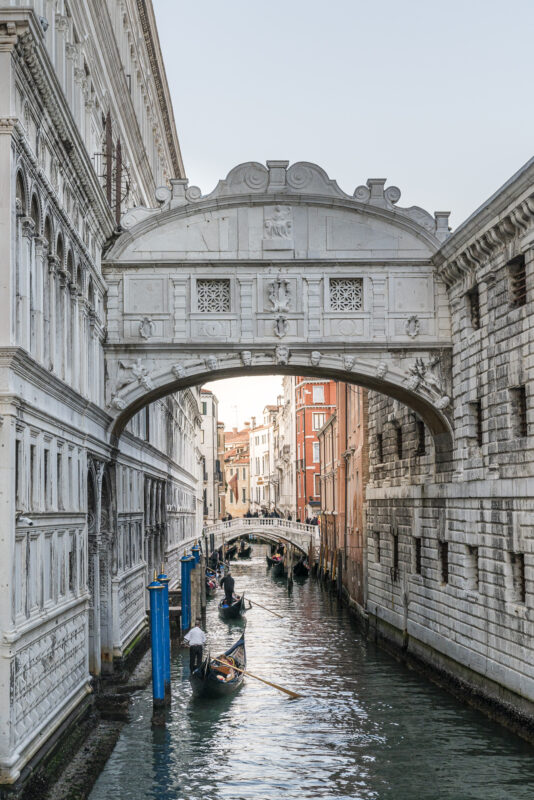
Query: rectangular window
(421, 439)
(33, 476)
(476, 422)
(399, 442)
(518, 397)
(472, 568)
(395, 556)
(316, 453)
(318, 421)
(244, 473)
(417, 554)
(46, 469)
(473, 300)
(204, 408)
(519, 589)
(317, 484)
(380, 448)
(213, 295)
(243, 496)
(443, 548)
(318, 394)
(59, 473)
(517, 281)
(346, 294)
(18, 474)
(376, 537)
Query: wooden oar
(257, 677)
(265, 609)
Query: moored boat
(279, 568)
(234, 610)
(301, 569)
(217, 677)
(231, 552)
(211, 583)
(270, 560)
(244, 552)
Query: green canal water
(366, 727)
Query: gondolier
(196, 639)
(228, 584)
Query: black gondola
(212, 679)
(244, 552)
(231, 552)
(279, 569)
(235, 610)
(301, 569)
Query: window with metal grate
(518, 397)
(473, 302)
(517, 279)
(444, 561)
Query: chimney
(253, 422)
(247, 424)
(234, 430)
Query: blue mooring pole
(164, 579)
(196, 553)
(158, 652)
(187, 564)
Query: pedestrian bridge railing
(270, 528)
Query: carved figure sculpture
(348, 362)
(278, 226)
(381, 369)
(279, 294)
(211, 362)
(246, 358)
(412, 326)
(281, 355)
(178, 370)
(315, 358)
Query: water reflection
(365, 728)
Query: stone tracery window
(213, 295)
(346, 294)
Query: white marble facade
(84, 518)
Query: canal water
(366, 726)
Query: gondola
(235, 610)
(231, 552)
(244, 552)
(212, 679)
(211, 583)
(279, 568)
(301, 569)
(270, 561)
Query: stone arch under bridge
(279, 271)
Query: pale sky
(433, 96)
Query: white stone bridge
(271, 529)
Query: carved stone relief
(281, 354)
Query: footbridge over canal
(272, 529)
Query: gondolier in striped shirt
(196, 639)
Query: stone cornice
(506, 215)
(33, 53)
(148, 23)
(23, 365)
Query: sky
(433, 96)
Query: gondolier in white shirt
(196, 639)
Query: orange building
(315, 402)
(237, 471)
(344, 474)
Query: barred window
(213, 295)
(517, 281)
(346, 294)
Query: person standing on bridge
(228, 584)
(196, 639)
